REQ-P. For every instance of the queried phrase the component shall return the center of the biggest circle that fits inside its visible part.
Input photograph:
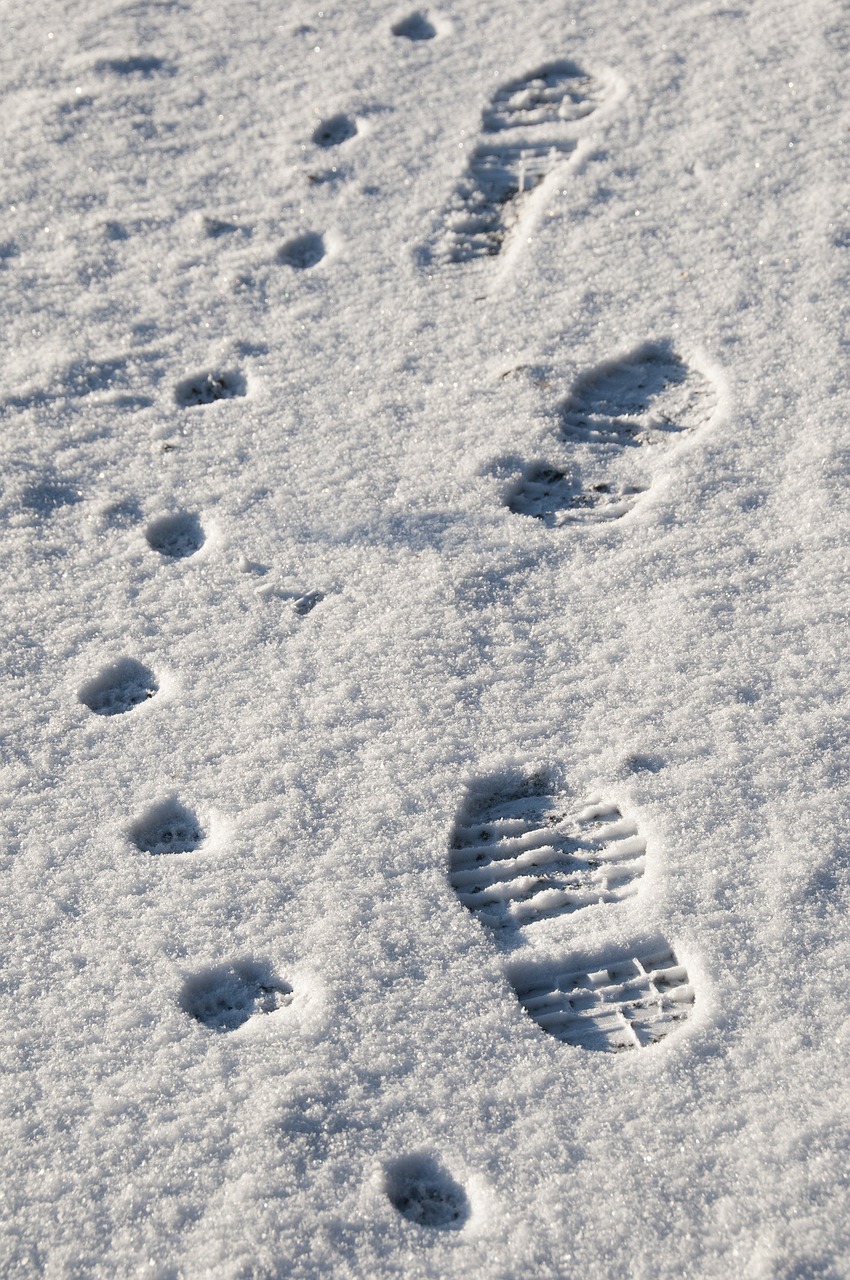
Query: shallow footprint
(526, 134)
(166, 828)
(619, 421)
(119, 688)
(302, 252)
(210, 386)
(618, 1001)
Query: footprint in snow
(529, 128)
(210, 386)
(168, 827)
(620, 420)
(226, 997)
(424, 1193)
(119, 688)
(334, 131)
(416, 26)
(302, 252)
(176, 536)
(619, 1000)
(521, 853)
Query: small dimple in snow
(416, 26)
(119, 688)
(333, 132)
(166, 828)
(226, 997)
(176, 536)
(208, 387)
(423, 1192)
(302, 252)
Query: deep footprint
(176, 536)
(424, 1193)
(618, 423)
(528, 117)
(119, 688)
(226, 997)
(619, 1001)
(520, 853)
(166, 828)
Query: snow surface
(275, 615)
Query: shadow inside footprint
(208, 387)
(119, 687)
(617, 1000)
(168, 827)
(330, 133)
(224, 998)
(424, 1193)
(176, 536)
(302, 252)
(414, 27)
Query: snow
(282, 367)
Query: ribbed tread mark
(518, 855)
(553, 94)
(629, 1002)
(489, 198)
(529, 115)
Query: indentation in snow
(176, 536)
(119, 687)
(226, 997)
(424, 1193)
(167, 827)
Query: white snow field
(425, 777)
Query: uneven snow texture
(394, 401)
